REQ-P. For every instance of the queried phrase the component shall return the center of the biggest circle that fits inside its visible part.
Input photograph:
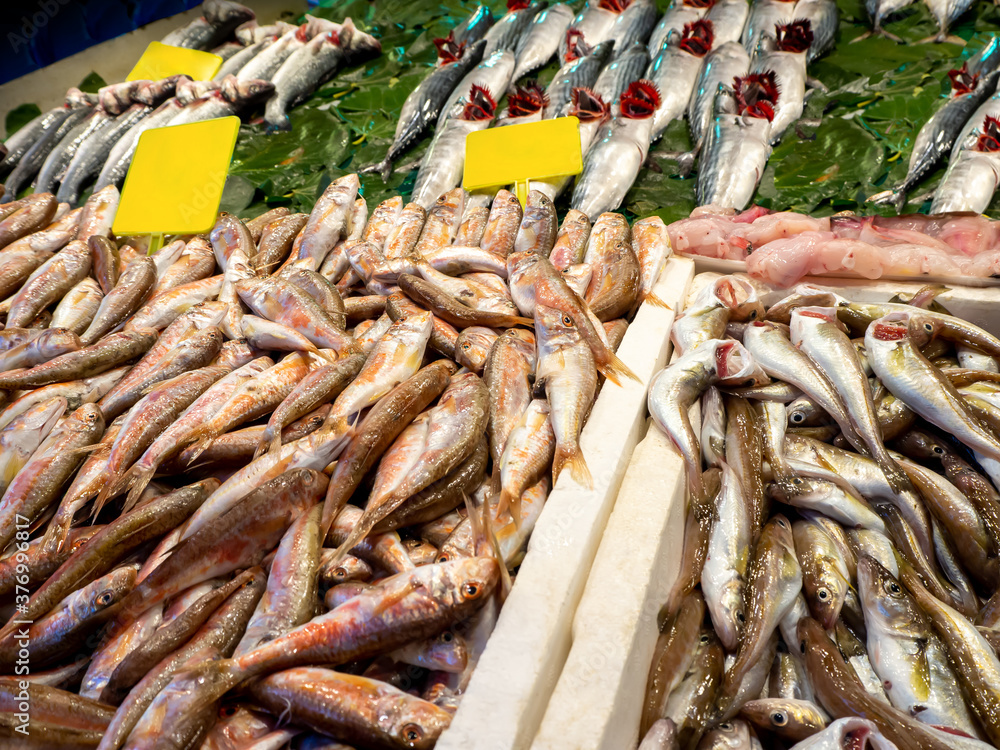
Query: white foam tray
(597, 701)
(507, 696)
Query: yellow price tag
(161, 61)
(175, 182)
(515, 154)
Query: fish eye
(412, 734)
(822, 595)
(567, 320)
(753, 315)
(741, 618)
(726, 726)
(797, 417)
(471, 590)
(802, 646)
(796, 480)
(466, 346)
(447, 636)
(938, 450)
(703, 639)
(747, 383)
(892, 588)
(779, 719)
(105, 598)
(443, 557)
(340, 572)
(782, 524)
(929, 328)
(226, 711)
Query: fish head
(962, 81)
(227, 13)
(738, 296)
(805, 321)
(481, 105)
(757, 95)
(412, 723)
(786, 717)
(587, 106)
(105, 592)
(555, 327)
(639, 100)
(734, 366)
(732, 612)
(516, 5)
(989, 139)
(473, 347)
(449, 652)
(246, 93)
(887, 606)
(615, 6)
(449, 51)
(55, 341)
(727, 734)
(793, 37)
(576, 46)
(697, 37)
(823, 582)
(886, 334)
(527, 99)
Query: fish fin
(614, 369)
(83, 450)
(656, 301)
(200, 446)
(572, 457)
(106, 493)
(495, 481)
(685, 162)
(490, 540)
(505, 504)
(529, 322)
(139, 479)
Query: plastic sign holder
(175, 182)
(162, 61)
(515, 154)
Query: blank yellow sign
(517, 153)
(161, 61)
(176, 179)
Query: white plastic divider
(597, 702)
(507, 696)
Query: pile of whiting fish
(626, 77)
(782, 247)
(92, 138)
(274, 468)
(842, 528)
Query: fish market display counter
(525, 655)
(598, 697)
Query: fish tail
(656, 301)
(495, 481)
(200, 446)
(528, 322)
(83, 450)
(572, 457)
(614, 369)
(505, 503)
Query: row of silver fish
(268, 485)
(841, 528)
(94, 138)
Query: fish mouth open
(449, 50)
(698, 37)
(481, 105)
(962, 81)
(989, 141)
(640, 100)
(793, 37)
(757, 94)
(588, 106)
(528, 99)
(576, 45)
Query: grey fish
(59, 158)
(94, 152)
(506, 33)
(18, 144)
(674, 71)
(764, 16)
(728, 18)
(733, 159)
(579, 73)
(237, 62)
(969, 183)
(680, 13)
(494, 74)
(267, 61)
(473, 28)
(946, 12)
(220, 19)
(425, 102)
(592, 24)
(633, 25)
(936, 138)
(824, 17)
(540, 42)
(879, 10)
(721, 66)
(35, 156)
(627, 66)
